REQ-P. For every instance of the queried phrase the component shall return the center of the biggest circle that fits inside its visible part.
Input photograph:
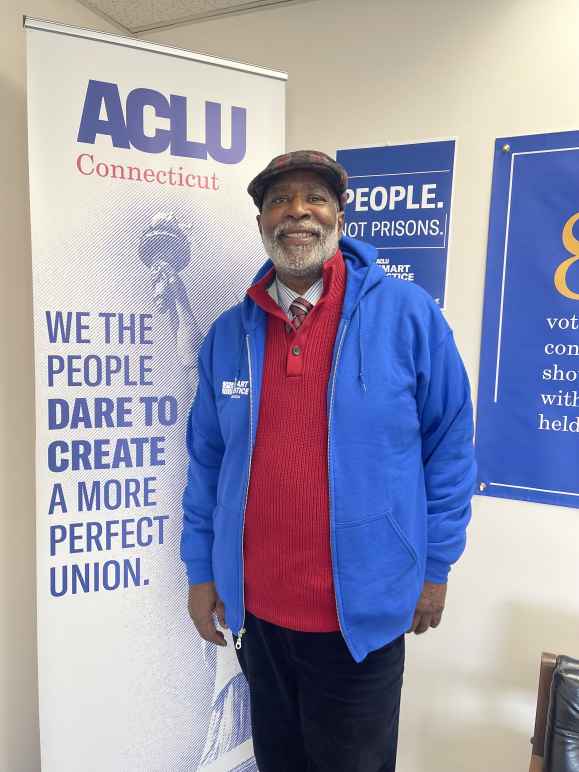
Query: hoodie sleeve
(445, 409)
(205, 447)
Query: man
(331, 469)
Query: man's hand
(429, 608)
(203, 602)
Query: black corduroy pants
(313, 708)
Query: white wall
(363, 72)
(19, 749)
(374, 71)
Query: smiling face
(300, 224)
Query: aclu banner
(399, 200)
(142, 233)
(528, 401)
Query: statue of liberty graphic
(165, 249)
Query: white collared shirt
(284, 296)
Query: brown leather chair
(538, 739)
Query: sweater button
(296, 351)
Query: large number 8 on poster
(571, 244)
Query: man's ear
(340, 218)
(258, 218)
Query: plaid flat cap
(310, 160)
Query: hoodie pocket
(377, 570)
(225, 555)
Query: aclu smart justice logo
(235, 389)
(152, 123)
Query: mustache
(284, 228)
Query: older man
(331, 469)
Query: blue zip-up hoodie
(400, 456)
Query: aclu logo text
(235, 389)
(151, 122)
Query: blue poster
(528, 402)
(399, 199)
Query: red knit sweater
(288, 569)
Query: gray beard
(301, 261)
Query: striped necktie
(299, 309)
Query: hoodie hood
(362, 275)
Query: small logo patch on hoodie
(235, 389)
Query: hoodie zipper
(332, 524)
(241, 632)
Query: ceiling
(136, 16)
